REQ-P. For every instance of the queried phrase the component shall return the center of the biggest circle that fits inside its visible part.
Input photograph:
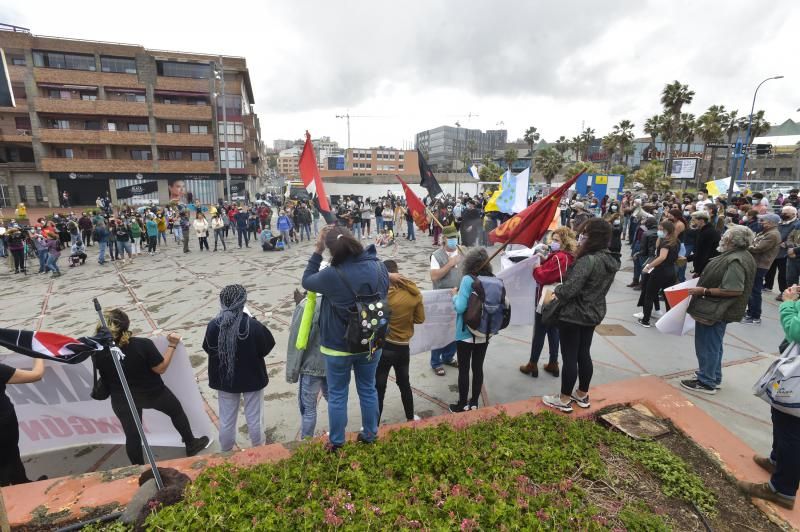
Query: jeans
(286, 239)
(576, 344)
(396, 356)
(470, 355)
(754, 303)
(186, 241)
(101, 257)
(633, 227)
(638, 266)
(162, 235)
(177, 232)
(338, 370)
(164, 401)
(124, 247)
(307, 229)
(307, 395)
(792, 271)
(365, 227)
(43, 254)
(356, 231)
(410, 229)
(51, 263)
(708, 349)
(626, 220)
(242, 233)
(540, 330)
(316, 227)
(229, 412)
(219, 235)
(785, 453)
(443, 355)
(378, 223)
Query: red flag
(50, 346)
(530, 225)
(415, 206)
(309, 173)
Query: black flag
(426, 177)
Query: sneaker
(765, 491)
(361, 439)
(197, 445)
(554, 401)
(657, 313)
(639, 315)
(716, 386)
(695, 385)
(582, 402)
(643, 323)
(764, 463)
(453, 363)
(416, 418)
(440, 372)
(458, 407)
(749, 320)
(472, 406)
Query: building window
(88, 96)
(22, 123)
(65, 61)
(18, 60)
(198, 129)
(58, 94)
(400, 167)
(133, 97)
(121, 65)
(169, 101)
(196, 101)
(95, 153)
(769, 172)
(37, 193)
(142, 128)
(23, 193)
(112, 126)
(235, 155)
(233, 106)
(785, 172)
(235, 131)
(5, 196)
(172, 155)
(65, 153)
(183, 70)
(19, 92)
(59, 124)
(201, 156)
(401, 155)
(141, 155)
(173, 128)
(92, 125)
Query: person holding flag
(309, 174)
(12, 471)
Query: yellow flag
(491, 205)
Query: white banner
(57, 412)
(439, 328)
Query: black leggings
(467, 352)
(399, 357)
(19, 259)
(152, 241)
(11, 469)
(656, 281)
(204, 242)
(576, 343)
(163, 401)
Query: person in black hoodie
(706, 244)
(237, 344)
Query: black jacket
(583, 293)
(647, 247)
(250, 372)
(705, 247)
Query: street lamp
(747, 136)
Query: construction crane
(348, 116)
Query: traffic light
(763, 149)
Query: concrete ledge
(69, 498)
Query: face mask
(699, 197)
(686, 213)
(661, 234)
(452, 243)
(616, 223)
(581, 239)
(755, 202)
(555, 246)
(613, 208)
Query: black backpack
(368, 321)
(488, 310)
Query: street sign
(720, 145)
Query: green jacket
(790, 320)
(728, 309)
(583, 293)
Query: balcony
(22, 107)
(22, 136)
(88, 136)
(182, 112)
(182, 84)
(88, 107)
(95, 165)
(16, 73)
(189, 167)
(82, 77)
(184, 139)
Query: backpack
(488, 310)
(367, 322)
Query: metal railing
(15, 29)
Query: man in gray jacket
(764, 250)
(305, 363)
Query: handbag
(780, 384)
(548, 289)
(99, 387)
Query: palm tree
(760, 126)
(576, 144)
(609, 144)
(511, 156)
(562, 145)
(731, 127)
(711, 125)
(549, 162)
(652, 127)
(673, 97)
(587, 136)
(667, 130)
(531, 137)
(686, 128)
(624, 133)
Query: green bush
(527, 472)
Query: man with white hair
(720, 298)
(787, 224)
(764, 249)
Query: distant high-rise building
(282, 144)
(445, 147)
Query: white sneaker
(639, 315)
(657, 313)
(417, 418)
(554, 401)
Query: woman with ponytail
(142, 366)
(237, 344)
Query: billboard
(682, 168)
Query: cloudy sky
(402, 67)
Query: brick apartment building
(363, 162)
(141, 125)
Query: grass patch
(532, 472)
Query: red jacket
(548, 271)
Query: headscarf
(232, 299)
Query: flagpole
(115, 352)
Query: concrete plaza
(173, 291)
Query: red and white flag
(50, 346)
(309, 173)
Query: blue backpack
(488, 310)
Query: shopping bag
(780, 384)
(677, 293)
(677, 321)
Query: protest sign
(57, 412)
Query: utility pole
(347, 116)
(220, 74)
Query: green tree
(549, 162)
(531, 137)
(609, 144)
(760, 126)
(587, 136)
(562, 145)
(620, 169)
(582, 166)
(575, 143)
(651, 176)
(731, 127)
(272, 162)
(652, 127)
(686, 129)
(511, 155)
(711, 126)
(624, 135)
(490, 171)
(673, 97)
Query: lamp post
(747, 137)
(220, 75)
